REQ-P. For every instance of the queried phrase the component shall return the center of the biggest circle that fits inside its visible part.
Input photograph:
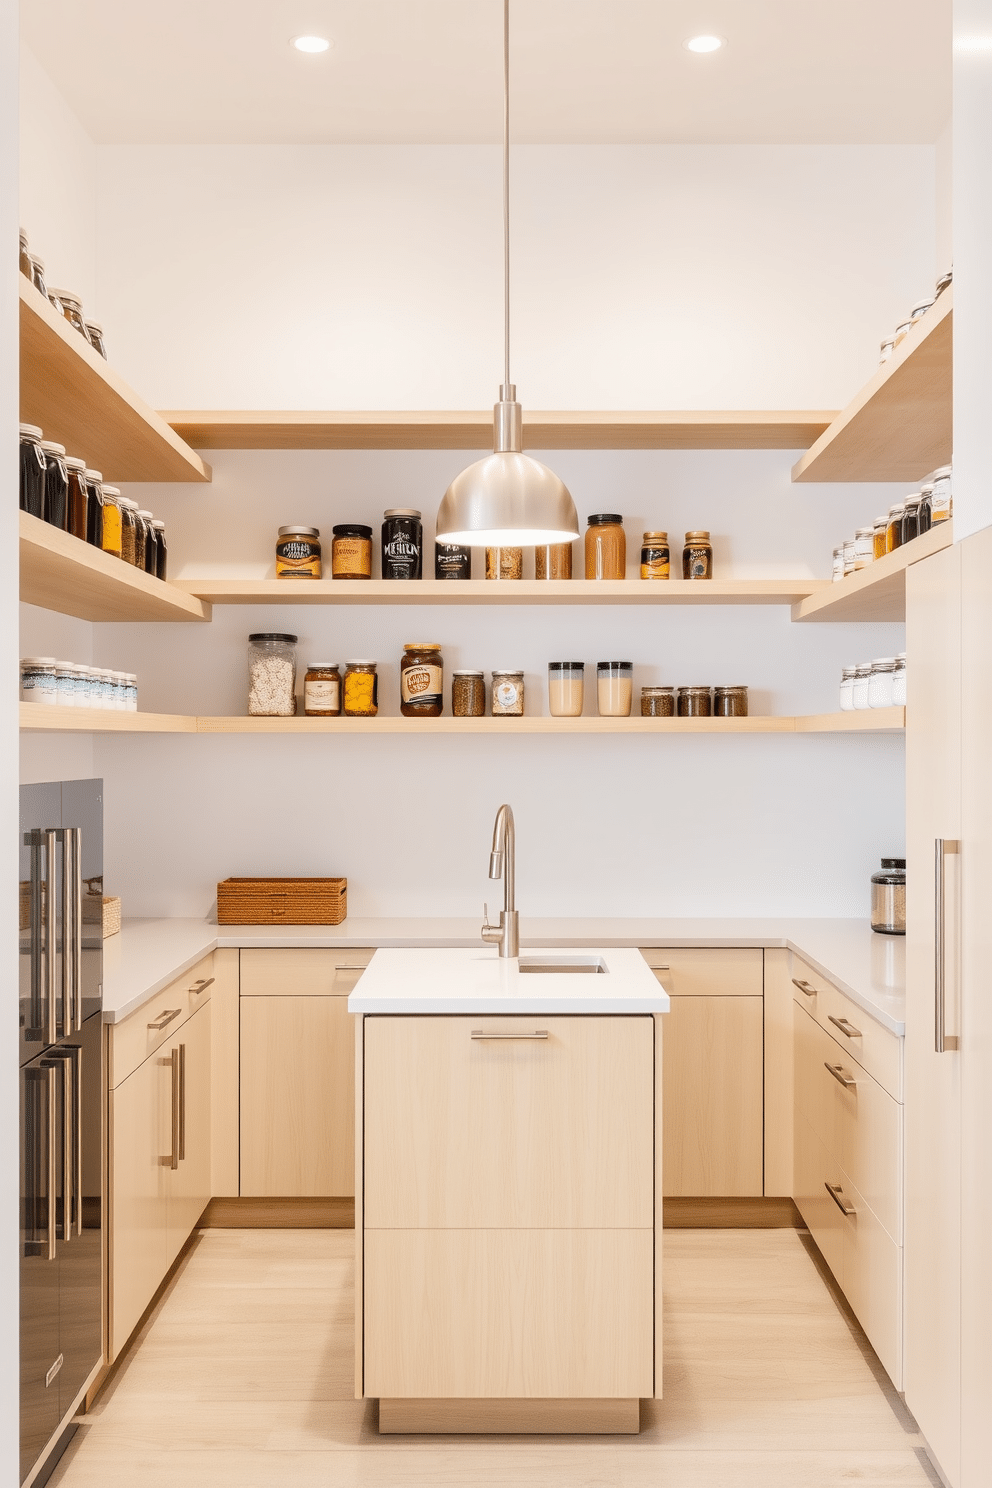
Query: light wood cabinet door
(140, 1148)
(189, 1183)
(297, 1097)
(713, 1097)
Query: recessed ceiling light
(311, 43)
(704, 43)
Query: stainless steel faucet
(502, 862)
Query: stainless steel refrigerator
(61, 1121)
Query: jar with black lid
(888, 898)
(695, 702)
(94, 507)
(605, 546)
(79, 497)
(32, 478)
(56, 484)
(402, 544)
(298, 553)
(161, 551)
(351, 551)
(697, 555)
(452, 561)
(422, 680)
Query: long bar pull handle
(172, 1161)
(68, 1111)
(836, 1192)
(50, 1081)
(51, 1027)
(837, 1070)
(539, 1033)
(845, 1025)
(77, 1077)
(164, 1019)
(77, 924)
(33, 840)
(182, 1103)
(942, 1042)
(804, 987)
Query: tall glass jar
(697, 555)
(94, 507)
(361, 689)
(893, 533)
(271, 675)
(926, 511)
(112, 536)
(504, 563)
(605, 546)
(565, 688)
(79, 497)
(864, 547)
(941, 501)
(614, 688)
(146, 542)
(553, 561)
(129, 530)
(878, 533)
(32, 471)
(911, 519)
(38, 274)
(94, 331)
(24, 261)
(56, 485)
(837, 569)
(402, 542)
(161, 551)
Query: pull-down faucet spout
(502, 864)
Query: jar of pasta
(271, 675)
(361, 689)
(504, 563)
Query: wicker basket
(105, 911)
(282, 901)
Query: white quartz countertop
(148, 954)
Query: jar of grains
(893, 533)
(361, 689)
(565, 688)
(32, 471)
(606, 546)
(351, 551)
(614, 688)
(508, 694)
(730, 702)
(553, 561)
(695, 702)
(298, 553)
(878, 532)
(422, 680)
(129, 530)
(56, 484)
(656, 557)
(322, 690)
(864, 547)
(468, 694)
(697, 555)
(112, 535)
(504, 563)
(271, 675)
(941, 499)
(657, 702)
(161, 551)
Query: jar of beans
(271, 675)
(468, 694)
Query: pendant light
(508, 498)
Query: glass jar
(468, 694)
(899, 681)
(32, 477)
(63, 684)
(79, 497)
(888, 898)
(56, 484)
(402, 542)
(553, 561)
(926, 517)
(129, 530)
(80, 686)
(107, 690)
(880, 682)
(72, 309)
(849, 556)
(730, 702)
(886, 349)
(859, 689)
(864, 547)
(657, 702)
(24, 259)
(351, 551)
(38, 274)
(38, 680)
(911, 519)
(847, 689)
(893, 532)
(837, 571)
(271, 675)
(94, 507)
(614, 688)
(452, 561)
(878, 538)
(120, 691)
(565, 688)
(422, 680)
(161, 551)
(322, 690)
(920, 308)
(606, 546)
(140, 538)
(361, 689)
(695, 702)
(112, 537)
(697, 556)
(902, 331)
(132, 692)
(508, 694)
(943, 282)
(941, 500)
(298, 553)
(504, 563)
(146, 544)
(656, 557)
(94, 331)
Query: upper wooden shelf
(80, 401)
(509, 592)
(474, 431)
(898, 428)
(59, 572)
(877, 592)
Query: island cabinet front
(508, 1212)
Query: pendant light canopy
(508, 498)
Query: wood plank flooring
(243, 1379)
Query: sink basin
(570, 965)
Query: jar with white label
(859, 692)
(422, 680)
(899, 681)
(847, 689)
(508, 694)
(38, 680)
(864, 547)
(880, 682)
(322, 690)
(941, 504)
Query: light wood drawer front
(710, 973)
(302, 972)
(875, 1048)
(872, 1279)
(522, 1131)
(132, 1041)
(713, 1097)
(813, 1169)
(509, 1314)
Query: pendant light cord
(506, 191)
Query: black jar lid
(273, 635)
(894, 863)
(566, 666)
(610, 666)
(602, 519)
(351, 529)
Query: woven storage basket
(105, 911)
(282, 901)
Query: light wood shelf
(42, 718)
(877, 592)
(898, 428)
(512, 592)
(59, 572)
(80, 401)
(469, 430)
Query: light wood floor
(243, 1378)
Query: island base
(513, 1417)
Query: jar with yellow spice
(361, 689)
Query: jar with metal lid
(849, 556)
(921, 307)
(351, 551)
(893, 533)
(878, 537)
(880, 682)
(899, 681)
(911, 518)
(943, 282)
(508, 694)
(730, 702)
(697, 556)
(38, 274)
(837, 569)
(94, 331)
(504, 563)
(32, 474)
(161, 551)
(656, 557)
(553, 561)
(902, 331)
(657, 702)
(941, 501)
(695, 702)
(129, 530)
(847, 689)
(132, 692)
(298, 553)
(322, 690)
(64, 685)
(24, 259)
(271, 675)
(402, 541)
(468, 694)
(888, 898)
(886, 349)
(38, 680)
(56, 484)
(605, 546)
(78, 498)
(864, 547)
(94, 507)
(361, 689)
(859, 690)
(452, 561)
(565, 688)
(925, 517)
(112, 536)
(614, 688)
(422, 680)
(146, 542)
(71, 307)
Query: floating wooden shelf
(877, 592)
(42, 718)
(898, 428)
(59, 572)
(80, 401)
(474, 431)
(514, 592)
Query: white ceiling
(222, 71)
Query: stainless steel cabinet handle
(351, 968)
(201, 986)
(804, 987)
(182, 1103)
(539, 1033)
(837, 1070)
(77, 921)
(50, 947)
(77, 1054)
(836, 1192)
(33, 840)
(68, 1112)
(942, 1042)
(846, 1027)
(164, 1019)
(172, 1161)
(50, 1081)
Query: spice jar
(32, 477)
(322, 690)
(695, 702)
(565, 688)
(24, 259)
(656, 557)
(422, 680)
(606, 546)
(271, 675)
(145, 542)
(298, 553)
(886, 349)
(614, 688)
(161, 551)
(79, 497)
(657, 702)
(504, 563)
(71, 307)
(899, 681)
(508, 694)
(361, 689)
(351, 551)
(94, 507)
(837, 571)
(902, 331)
(56, 484)
(452, 561)
(730, 702)
(911, 518)
(38, 680)
(468, 694)
(697, 556)
(94, 332)
(847, 689)
(129, 530)
(920, 308)
(402, 544)
(943, 282)
(849, 556)
(888, 898)
(880, 682)
(941, 503)
(553, 561)
(878, 537)
(893, 532)
(864, 547)
(112, 539)
(926, 516)
(859, 688)
(38, 274)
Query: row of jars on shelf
(874, 684)
(917, 313)
(904, 521)
(61, 490)
(66, 684)
(68, 305)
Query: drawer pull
(539, 1033)
(165, 1018)
(804, 987)
(837, 1070)
(201, 986)
(350, 968)
(846, 1027)
(836, 1192)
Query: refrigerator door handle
(68, 1113)
(76, 897)
(33, 841)
(77, 1187)
(50, 1237)
(50, 1027)
(68, 928)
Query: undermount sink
(571, 965)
